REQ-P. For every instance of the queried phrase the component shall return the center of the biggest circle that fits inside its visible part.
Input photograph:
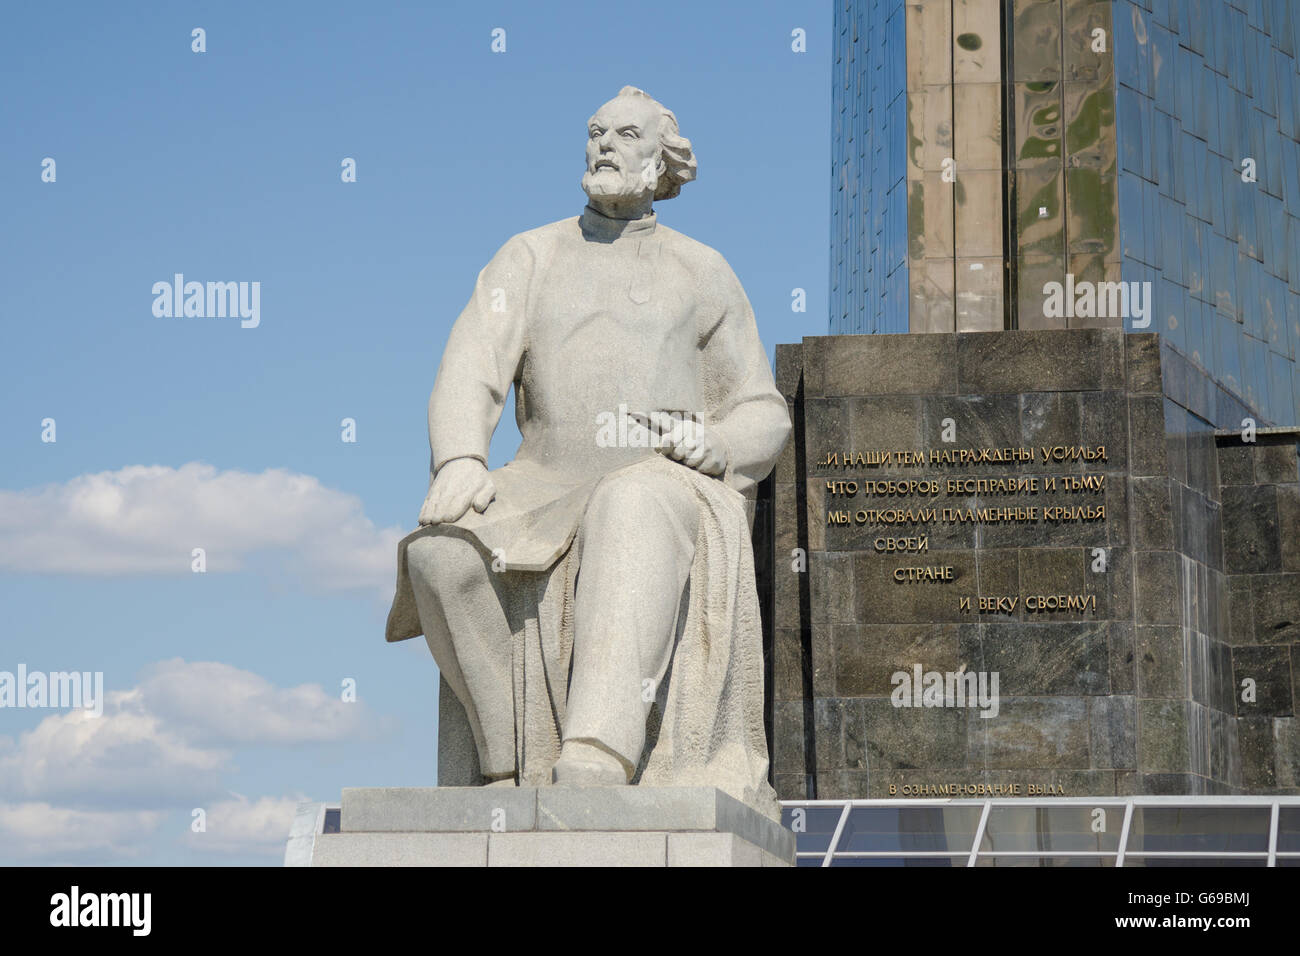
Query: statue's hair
(679, 158)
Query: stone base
(545, 826)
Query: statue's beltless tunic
(587, 317)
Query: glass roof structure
(1057, 831)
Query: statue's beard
(616, 184)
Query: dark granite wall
(1261, 523)
(1134, 696)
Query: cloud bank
(90, 787)
(148, 519)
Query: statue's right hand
(459, 483)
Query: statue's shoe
(502, 782)
(582, 765)
(583, 773)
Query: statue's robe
(586, 318)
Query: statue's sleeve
(741, 400)
(482, 359)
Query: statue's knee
(449, 564)
(624, 495)
(638, 501)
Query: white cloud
(217, 703)
(38, 831)
(241, 825)
(147, 519)
(166, 742)
(125, 758)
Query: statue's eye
(630, 134)
(594, 132)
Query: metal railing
(1185, 831)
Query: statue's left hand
(694, 444)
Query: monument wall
(1023, 564)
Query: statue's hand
(459, 483)
(694, 444)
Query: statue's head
(635, 149)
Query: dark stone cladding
(1185, 678)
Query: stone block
(787, 665)
(1270, 668)
(880, 423)
(1039, 361)
(1048, 659)
(1258, 750)
(1142, 355)
(716, 849)
(1171, 784)
(1236, 464)
(791, 786)
(826, 429)
(546, 826)
(1054, 418)
(577, 849)
(438, 809)
(910, 737)
(1241, 610)
(1163, 736)
(1275, 600)
(879, 364)
(1162, 665)
(978, 421)
(1250, 530)
(1105, 421)
(1113, 587)
(922, 601)
(788, 735)
(830, 575)
(867, 657)
(828, 732)
(1038, 732)
(1288, 525)
(1147, 446)
(1286, 754)
(789, 369)
(1152, 517)
(658, 808)
(843, 785)
(1157, 593)
(1112, 727)
(1123, 658)
(1276, 464)
(401, 849)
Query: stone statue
(592, 603)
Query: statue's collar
(602, 228)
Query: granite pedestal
(545, 826)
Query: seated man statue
(592, 603)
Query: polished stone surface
(1140, 693)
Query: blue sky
(223, 688)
